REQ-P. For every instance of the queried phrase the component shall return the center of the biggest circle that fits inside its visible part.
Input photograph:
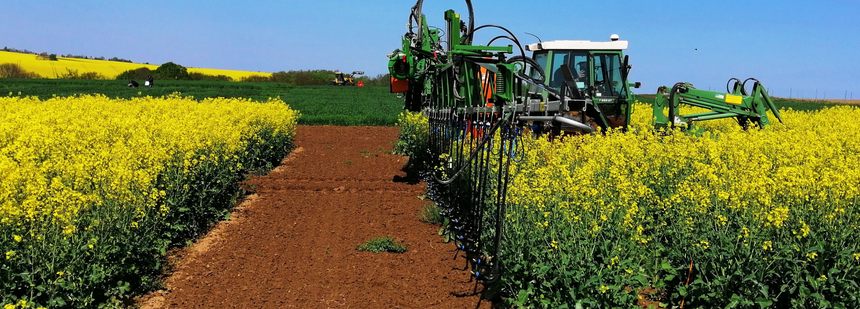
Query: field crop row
(768, 218)
(319, 105)
(96, 189)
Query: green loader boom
(735, 103)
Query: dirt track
(292, 244)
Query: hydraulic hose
(672, 115)
(530, 61)
(744, 85)
(729, 90)
(416, 13)
(480, 146)
(499, 37)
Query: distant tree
(119, 59)
(74, 74)
(283, 77)
(53, 57)
(172, 71)
(13, 70)
(139, 73)
(381, 80)
(201, 76)
(256, 78)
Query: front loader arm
(735, 104)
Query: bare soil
(293, 243)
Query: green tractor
(585, 86)
(344, 79)
(591, 77)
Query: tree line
(173, 71)
(53, 57)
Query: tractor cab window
(607, 76)
(540, 58)
(577, 62)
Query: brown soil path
(292, 244)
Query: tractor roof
(614, 44)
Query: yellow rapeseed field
(110, 69)
(766, 215)
(94, 189)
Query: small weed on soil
(430, 213)
(383, 244)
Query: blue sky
(796, 46)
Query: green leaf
(764, 302)
(734, 301)
(804, 291)
(666, 266)
(682, 290)
(669, 278)
(764, 291)
(641, 279)
(523, 297)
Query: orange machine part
(487, 83)
(399, 85)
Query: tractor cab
(595, 85)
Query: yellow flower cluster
(60, 156)
(809, 166)
(623, 200)
(414, 130)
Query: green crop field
(319, 105)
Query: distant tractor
(343, 79)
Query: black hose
(498, 37)
(744, 85)
(514, 37)
(472, 156)
(671, 104)
(530, 61)
(729, 82)
(416, 13)
(471, 22)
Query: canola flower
(63, 155)
(786, 190)
(79, 171)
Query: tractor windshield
(578, 63)
(607, 76)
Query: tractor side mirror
(625, 66)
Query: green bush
(414, 136)
(13, 70)
(139, 73)
(73, 74)
(172, 71)
(207, 77)
(383, 244)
